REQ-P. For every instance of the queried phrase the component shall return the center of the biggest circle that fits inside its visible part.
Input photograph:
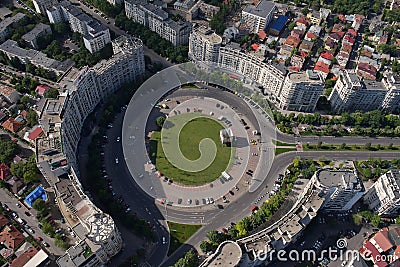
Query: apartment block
(257, 18)
(42, 5)
(383, 197)
(204, 46)
(7, 23)
(252, 66)
(301, 91)
(352, 93)
(31, 37)
(154, 18)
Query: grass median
(179, 233)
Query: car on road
(163, 240)
(45, 244)
(18, 205)
(118, 139)
(116, 161)
(39, 238)
(189, 201)
(127, 210)
(27, 213)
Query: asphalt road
(10, 200)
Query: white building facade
(383, 197)
(258, 17)
(204, 46)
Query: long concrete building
(351, 93)
(294, 91)
(383, 197)
(153, 17)
(257, 17)
(62, 120)
(95, 35)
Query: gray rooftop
(35, 32)
(263, 9)
(8, 21)
(161, 14)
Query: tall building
(252, 66)
(95, 34)
(301, 91)
(204, 46)
(62, 120)
(351, 93)
(258, 17)
(90, 85)
(153, 17)
(42, 5)
(383, 197)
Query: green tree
(48, 229)
(343, 146)
(367, 146)
(215, 237)
(160, 121)
(376, 220)
(206, 246)
(31, 118)
(40, 206)
(189, 260)
(51, 93)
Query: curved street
(216, 218)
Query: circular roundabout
(208, 142)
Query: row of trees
(367, 216)
(43, 211)
(300, 167)
(364, 123)
(373, 168)
(26, 170)
(8, 149)
(99, 187)
(152, 40)
(25, 84)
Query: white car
(116, 161)
(163, 240)
(118, 139)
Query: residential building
(257, 18)
(31, 37)
(153, 17)
(39, 59)
(5, 172)
(351, 93)
(11, 237)
(315, 17)
(12, 125)
(228, 253)
(202, 10)
(204, 46)
(278, 25)
(9, 93)
(95, 35)
(342, 188)
(185, 5)
(7, 23)
(301, 91)
(366, 70)
(42, 5)
(251, 66)
(3, 221)
(61, 121)
(55, 14)
(383, 197)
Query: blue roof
(279, 23)
(36, 194)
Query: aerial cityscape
(193, 133)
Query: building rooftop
(336, 178)
(227, 254)
(307, 76)
(35, 32)
(208, 35)
(8, 21)
(263, 9)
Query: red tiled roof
(327, 55)
(3, 221)
(35, 133)
(367, 68)
(321, 66)
(11, 125)
(24, 113)
(302, 21)
(382, 240)
(254, 47)
(11, 237)
(262, 35)
(352, 32)
(292, 41)
(312, 35)
(342, 17)
(370, 250)
(41, 89)
(24, 257)
(349, 39)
